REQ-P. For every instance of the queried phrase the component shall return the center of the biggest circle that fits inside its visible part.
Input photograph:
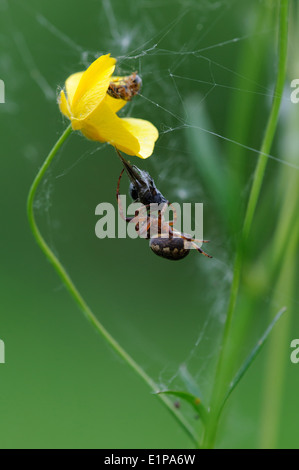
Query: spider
(126, 87)
(164, 239)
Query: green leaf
(194, 401)
(188, 381)
(243, 369)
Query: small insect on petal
(91, 100)
(125, 88)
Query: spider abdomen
(169, 248)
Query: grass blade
(251, 358)
(194, 401)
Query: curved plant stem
(78, 298)
(217, 394)
(276, 365)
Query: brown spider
(126, 87)
(165, 240)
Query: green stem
(283, 254)
(275, 371)
(211, 430)
(78, 298)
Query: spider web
(177, 64)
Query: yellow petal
(117, 78)
(105, 126)
(93, 86)
(63, 104)
(77, 124)
(145, 132)
(114, 103)
(71, 86)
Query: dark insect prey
(164, 239)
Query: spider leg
(174, 216)
(141, 220)
(127, 219)
(200, 250)
(156, 220)
(149, 222)
(161, 217)
(191, 240)
(118, 183)
(163, 210)
(188, 238)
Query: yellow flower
(92, 111)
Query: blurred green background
(204, 64)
